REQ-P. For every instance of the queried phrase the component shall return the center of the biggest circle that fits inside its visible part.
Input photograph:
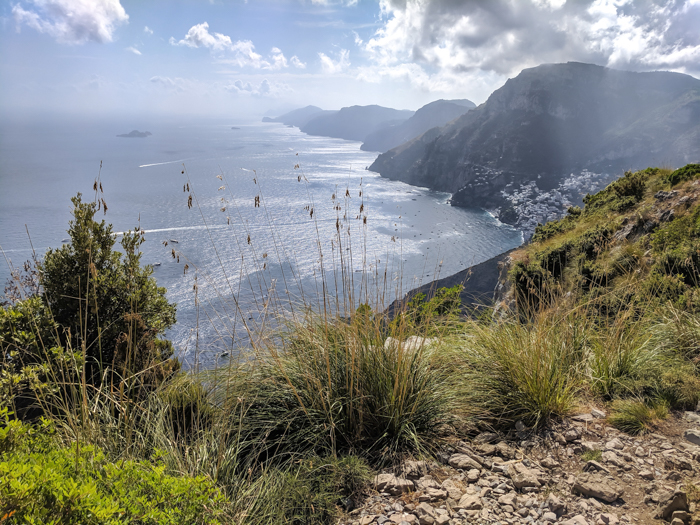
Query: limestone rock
(469, 502)
(392, 484)
(672, 502)
(576, 520)
(693, 436)
(522, 477)
(596, 486)
(463, 461)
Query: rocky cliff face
(354, 122)
(548, 123)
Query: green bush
(105, 302)
(636, 416)
(41, 482)
(531, 372)
(687, 172)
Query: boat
(65, 240)
(173, 240)
(156, 264)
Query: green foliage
(334, 389)
(419, 314)
(687, 172)
(592, 455)
(41, 482)
(313, 492)
(530, 372)
(552, 228)
(107, 302)
(34, 364)
(636, 416)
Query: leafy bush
(425, 316)
(107, 303)
(41, 482)
(687, 172)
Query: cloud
(242, 52)
(71, 21)
(199, 36)
(358, 40)
(133, 50)
(163, 81)
(148, 30)
(297, 63)
(264, 89)
(335, 66)
(447, 38)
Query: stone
(473, 475)
(424, 510)
(520, 426)
(522, 477)
(505, 450)
(487, 449)
(646, 474)
(594, 466)
(596, 486)
(443, 519)
(559, 438)
(415, 469)
(676, 521)
(572, 434)
(463, 461)
(453, 490)
(550, 517)
(485, 437)
(392, 484)
(614, 444)
(693, 417)
(610, 457)
(589, 446)
(469, 502)
(583, 417)
(576, 520)
(366, 520)
(670, 502)
(433, 494)
(509, 499)
(609, 519)
(554, 504)
(693, 436)
(549, 462)
(681, 515)
(598, 414)
(640, 452)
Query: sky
(264, 57)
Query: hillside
(634, 243)
(552, 122)
(299, 117)
(354, 122)
(434, 114)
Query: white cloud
(296, 62)
(242, 52)
(335, 66)
(358, 40)
(133, 50)
(73, 21)
(481, 39)
(199, 36)
(148, 30)
(264, 89)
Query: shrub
(635, 416)
(41, 482)
(592, 455)
(332, 389)
(108, 304)
(687, 172)
(530, 372)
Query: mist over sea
(46, 161)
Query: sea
(244, 222)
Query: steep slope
(551, 121)
(431, 115)
(299, 117)
(355, 122)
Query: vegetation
(99, 425)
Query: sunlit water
(410, 236)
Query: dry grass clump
(637, 416)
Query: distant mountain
(299, 117)
(548, 123)
(355, 122)
(431, 115)
(135, 134)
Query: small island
(135, 134)
(234, 127)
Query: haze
(223, 58)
